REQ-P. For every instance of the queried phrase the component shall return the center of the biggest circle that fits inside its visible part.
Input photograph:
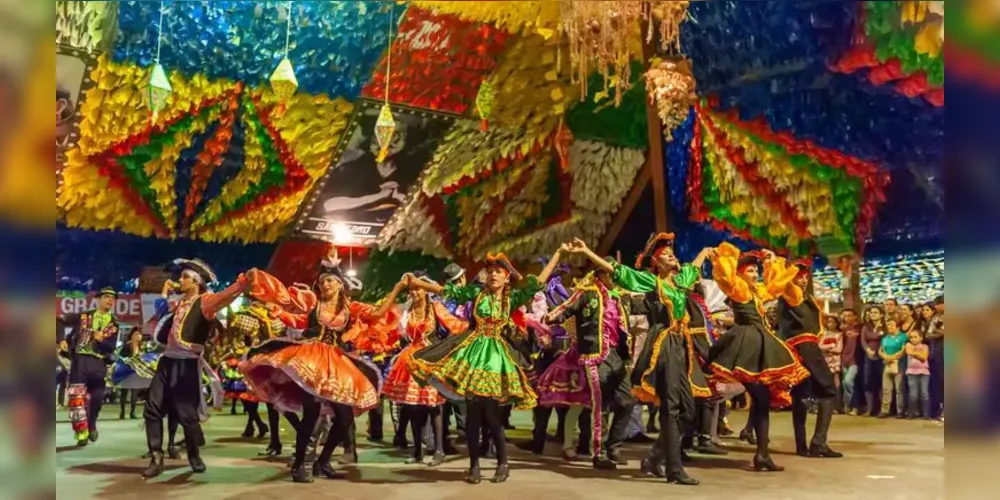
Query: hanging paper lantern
(284, 83)
(158, 89)
(385, 127)
(484, 103)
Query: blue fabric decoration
(185, 169)
(232, 163)
(334, 45)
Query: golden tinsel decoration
(600, 36)
(671, 87)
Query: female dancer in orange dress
(426, 316)
(750, 352)
(316, 373)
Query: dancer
(316, 373)
(593, 373)
(662, 371)
(699, 435)
(800, 320)
(253, 324)
(485, 366)
(133, 370)
(177, 384)
(91, 343)
(750, 352)
(553, 343)
(420, 324)
(454, 274)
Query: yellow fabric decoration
(510, 16)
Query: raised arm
(211, 303)
(568, 308)
(551, 266)
(778, 276)
(724, 260)
(390, 300)
(578, 246)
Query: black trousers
(485, 414)
(819, 385)
(376, 417)
(343, 422)
(452, 409)
(176, 388)
(90, 371)
(132, 395)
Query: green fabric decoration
(624, 125)
(892, 40)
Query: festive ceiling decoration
(439, 61)
(900, 44)
(776, 190)
(335, 45)
(283, 79)
(158, 87)
(529, 16)
(671, 88)
(603, 37)
(83, 25)
(911, 279)
(216, 165)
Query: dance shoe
(301, 474)
(502, 474)
(603, 463)
(437, 460)
(652, 470)
(325, 470)
(683, 479)
(197, 464)
(765, 464)
(473, 476)
(173, 453)
(823, 451)
(155, 467)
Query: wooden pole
(654, 152)
(631, 200)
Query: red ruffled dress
(400, 386)
(282, 371)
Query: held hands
(332, 257)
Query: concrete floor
(885, 459)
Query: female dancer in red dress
(426, 316)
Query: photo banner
(359, 195)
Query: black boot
(818, 448)
(248, 430)
(707, 447)
(194, 452)
(683, 479)
(301, 474)
(651, 469)
(747, 435)
(604, 463)
(502, 474)
(155, 467)
(197, 464)
(325, 470)
(173, 453)
(270, 451)
(93, 436)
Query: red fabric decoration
(438, 61)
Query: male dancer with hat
(91, 343)
(176, 385)
(454, 274)
(799, 323)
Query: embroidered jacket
(89, 338)
(600, 322)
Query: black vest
(195, 329)
(801, 320)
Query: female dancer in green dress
(487, 367)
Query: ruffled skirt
(749, 354)
(565, 383)
(134, 372)
(400, 386)
(283, 372)
(472, 365)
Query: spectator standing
(918, 375)
(831, 343)
(871, 335)
(932, 327)
(851, 337)
(891, 350)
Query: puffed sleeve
(524, 294)
(461, 293)
(447, 320)
(778, 276)
(634, 280)
(724, 273)
(688, 276)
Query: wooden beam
(631, 200)
(654, 152)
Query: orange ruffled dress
(750, 352)
(400, 386)
(282, 371)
